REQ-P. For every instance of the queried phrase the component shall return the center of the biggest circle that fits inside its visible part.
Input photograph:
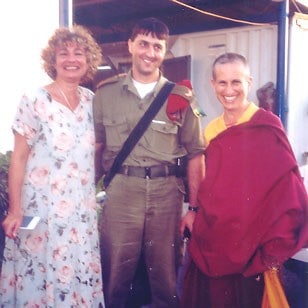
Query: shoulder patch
(180, 98)
(183, 89)
(110, 80)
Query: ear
(130, 43)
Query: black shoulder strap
(138, 131)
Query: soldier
(143, 207)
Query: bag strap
(138, 131)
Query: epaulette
(110, 80)
(184, 89)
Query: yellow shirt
(218, 125)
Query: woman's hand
(11, 224)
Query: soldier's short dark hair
(151, 25)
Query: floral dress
(58, 263)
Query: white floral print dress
(58, 263)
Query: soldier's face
(148, 53)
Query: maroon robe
(253, 215)
(253, 203)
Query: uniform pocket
(181, 185)
(116, 132)
(163, 137)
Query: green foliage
(4, 167)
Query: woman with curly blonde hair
(57, 264)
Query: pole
(282, 61)
(65, 13)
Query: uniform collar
(128, 83)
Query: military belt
(148, 172)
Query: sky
(25, 27)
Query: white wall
(25, 26)
(297, 117)
(258, 44)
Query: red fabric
(177, 103)
(220, 292)
(253, 204)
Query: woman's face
(71, 62)
(231, 85)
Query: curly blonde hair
(62, 37)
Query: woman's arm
(16, 177)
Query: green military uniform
(142, 213)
